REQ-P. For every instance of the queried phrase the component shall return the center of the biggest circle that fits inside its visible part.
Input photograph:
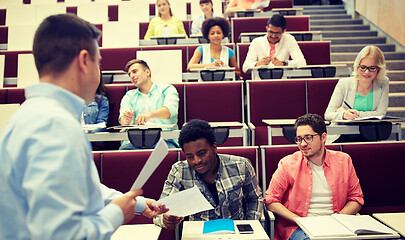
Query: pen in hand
(347, 105)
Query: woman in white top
(207, 8)
(366, 93)
(214, 54)
(165, 24)
(363, 95)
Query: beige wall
(389, 15)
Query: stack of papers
(186, 202)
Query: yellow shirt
(157, 24)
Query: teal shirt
(160, 95)
(364, 103)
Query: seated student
(228, 182)
(313, 181)
(166, 24)
(214, 54)
(150, 103)
(208, 12)
(96, 111)
(239, 5)
(365, 94)
(275, 48)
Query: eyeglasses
(307, 138)
(274, 33)
(371, 68)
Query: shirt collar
(71, 102)
(326, 160)
(151, 90)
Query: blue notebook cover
(219, 226)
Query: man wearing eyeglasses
(312, 182)
(275, 48)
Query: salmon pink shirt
(291, 185)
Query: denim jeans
(298, 234)
(129, 146)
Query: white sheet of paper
(186, 202)
(95, 126)
(157, 156)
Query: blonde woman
(365, 93)
(165, 24)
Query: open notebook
(340, 225)
(381, 117)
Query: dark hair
(216, 21)
(170, 8)
(101, 89)
(133, 61)
(194, 130)
(315, 121)
(207, 1)
(277, 20)
(59, 39)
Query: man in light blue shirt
(150, 103)
(49, 185)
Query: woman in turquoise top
(214, 54)
(366, 93)
(166, 24)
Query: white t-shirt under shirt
(321, 197)
(147, 108)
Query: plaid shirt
(240, 196)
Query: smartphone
(244, 228)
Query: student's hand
(350, 114)
(127, 117)
(151, 211)
(142, 118)
(263, 61)
(217, 63)
(276, 62)
(127, 204)
(171, 221)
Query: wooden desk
(395, 221)
(229, 73)
(305, 71)
(192, 230)
(137, 231)
(238, 130)
(275, 128)
(246, 37)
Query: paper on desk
(157, 156)
(96, 126)
(186, 202)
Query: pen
(347, 105)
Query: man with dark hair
(228, 182)
(50, 188)
(275, 48)
(313, 181)
(149, 103)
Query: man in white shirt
(275, 48)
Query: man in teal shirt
(150, 103)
